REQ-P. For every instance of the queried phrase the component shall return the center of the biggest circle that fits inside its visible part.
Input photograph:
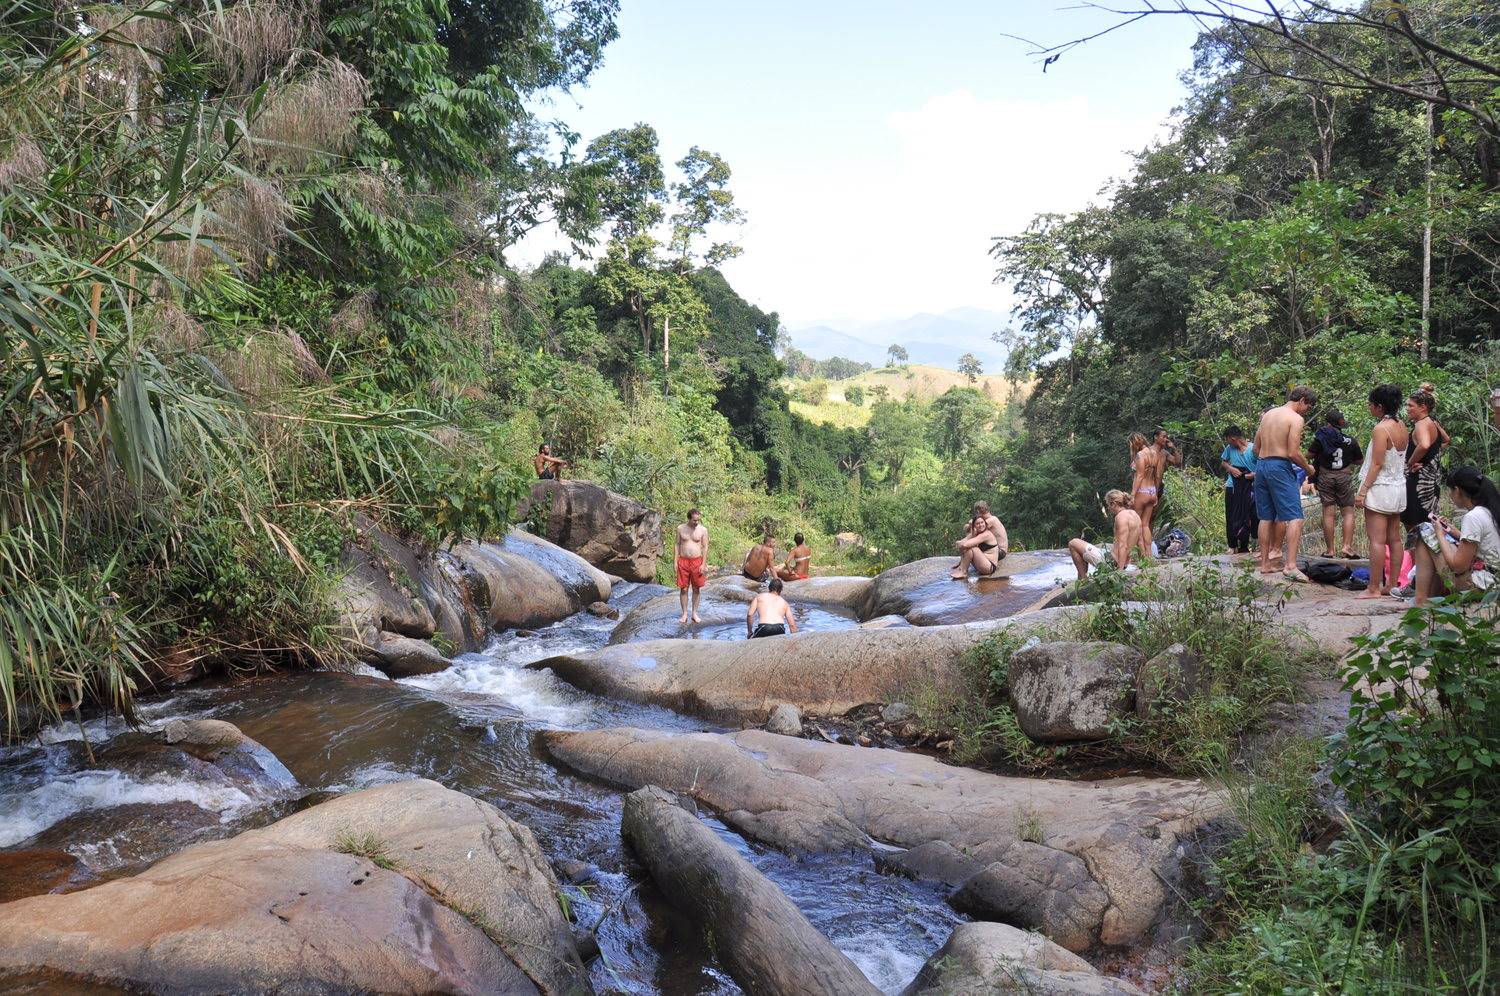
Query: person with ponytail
(1478, 539)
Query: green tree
(896, 431)
(895, 354)
(970, 367)
(703, 199)
(855, 395)
(959, 416)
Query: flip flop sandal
(1296, 576)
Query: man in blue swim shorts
(1278, 493)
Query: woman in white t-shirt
(1478, 538)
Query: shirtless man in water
(776, 616)
(1127, 537)
(1278, 494)
(692, 551)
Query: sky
(878, 147)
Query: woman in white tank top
(1382, 489)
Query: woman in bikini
(1143, 490)
(1382, 486)
(984, 544)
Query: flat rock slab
(724, 601)
(803, 795)
(821, 673)
(923, 592)
(442, 893)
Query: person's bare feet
(1367, 593)
(959, 575)
(682, 619)
(696, 618)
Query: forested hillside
(1276, 238)
(258, 283)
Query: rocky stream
(436, 824)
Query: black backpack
(1326, 571)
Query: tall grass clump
(1226, 621)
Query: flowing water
(471, 728)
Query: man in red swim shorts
(692, 551)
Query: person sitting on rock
(776, 616)
(983, 546)
(548, 467)
(760, 562)
(1127, 522)
(798, 561)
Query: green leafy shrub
(1247, 662)
(1422, 752)
(855, 395)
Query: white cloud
(910, 231)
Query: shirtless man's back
(775, 615)
(692, 550)
(1278, 493)
(760, 560)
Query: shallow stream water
(471, 728)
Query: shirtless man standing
(776, 615)
(692, 551)
(798, 561)
(1278, 494)
(1127, 537)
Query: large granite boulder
(1072, 691)
(395, 596)
(1115, 840)
(821, 673)
(923, 592)
(408, 887)
(993, 959)
(616, 534)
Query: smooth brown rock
(1039, 888)
(807, 795)
(760, 936)
(528, 582)
(821, 673)
(993, 959)
(403, 657)
(614, 533)
(453, 897)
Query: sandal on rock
(1296, 575)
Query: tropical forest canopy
(260, 285)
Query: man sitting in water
(776, 615)
(798, 561)
(761, 560)
(1127, 537)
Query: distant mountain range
(936, 340)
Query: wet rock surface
(925, 595)
(761, 937)
(804, 795)
(614, 533)
(405, 887)
(822, 673)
